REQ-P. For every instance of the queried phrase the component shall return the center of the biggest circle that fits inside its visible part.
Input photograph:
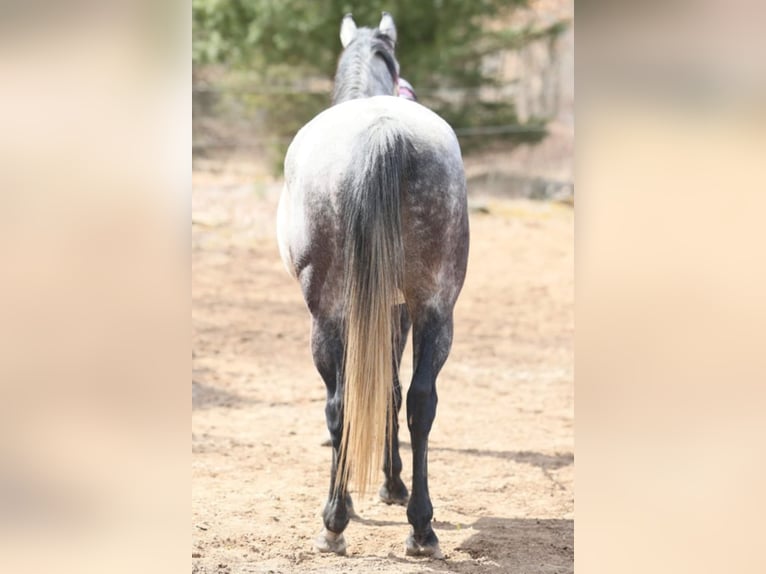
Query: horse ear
(387, 26)
(347, 30)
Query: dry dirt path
(501, 464)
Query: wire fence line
(325, 90)
(460, 132)
(284, 90)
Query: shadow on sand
(206, 396)
(540, 460)
(507, 546)
(522, 544)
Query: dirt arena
(501, 463)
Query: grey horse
(373, 223)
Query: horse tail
(374, 273)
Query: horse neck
(362, 75)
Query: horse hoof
(429, 549)
(330, 542)
(394, 496)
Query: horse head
(367, 66)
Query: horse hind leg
(393, 490)
(327, 351)
(432, 339)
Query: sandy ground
(501, 464)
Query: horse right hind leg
(432, 339)
(327, 350)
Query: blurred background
(500, 72)
(96, 180)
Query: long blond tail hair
(374, 276)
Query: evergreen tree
(442, 47)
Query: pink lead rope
(405, 90)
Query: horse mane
(359, 74)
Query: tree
(442, 46)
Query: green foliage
(439, 40)
(441, 47)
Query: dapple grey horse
(373, 223)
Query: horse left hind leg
(393, 490)
(327, 350)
